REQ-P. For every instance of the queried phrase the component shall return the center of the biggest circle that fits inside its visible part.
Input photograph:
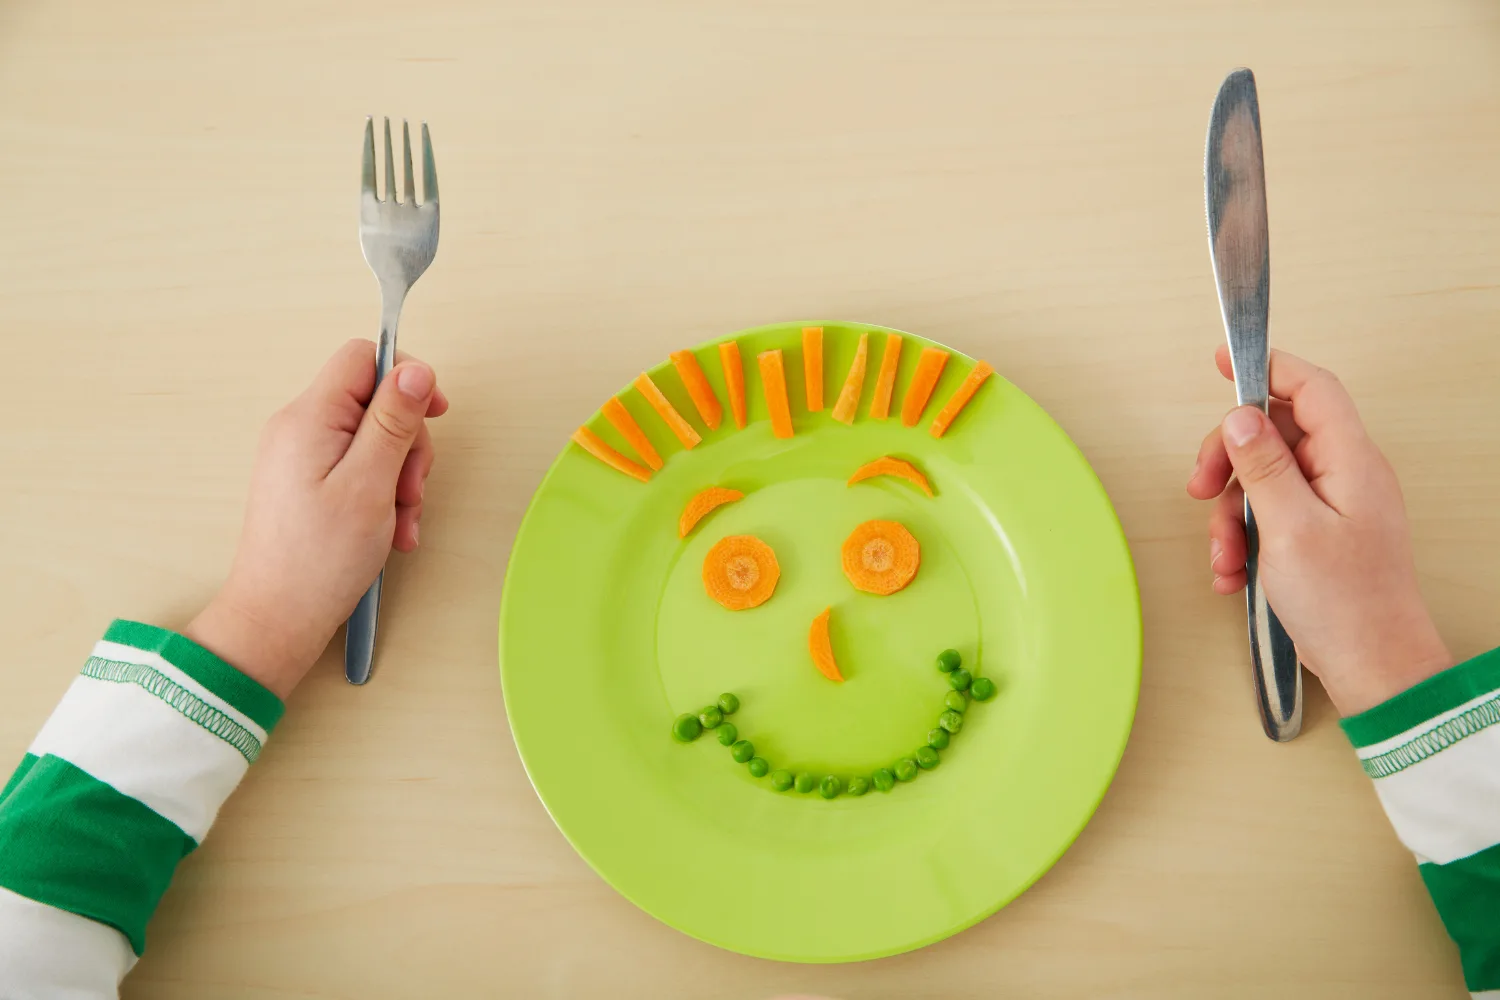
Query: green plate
(606, 635)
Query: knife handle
(359, 635)
(1273, 656)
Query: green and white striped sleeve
(1434, 752)
(121, 783)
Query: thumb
(1264, 465)
(390, 424)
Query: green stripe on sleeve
(1434, 696)
(1467, 894)
(263, 707)
(71, 841)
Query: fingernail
(415, 381)
(416, 528)
(1242, 425)
(1214, 551)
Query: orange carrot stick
(667, 411)
(734, 379)
(885, 382)
(773, 381)
(686, 363)
(854, 384)
(923, 381)
(614, 411)
(594, 445)
(812, 366)
(960, 398)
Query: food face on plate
(741, 571)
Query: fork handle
(359, 634)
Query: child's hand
(1335, 549)
(335, 486)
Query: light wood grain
(1019, 178)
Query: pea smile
(963, 687)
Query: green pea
(956, 701)
(686, 729)
(927, 758)
(951, 721)
(742, 751)
(830, 787)
(804, 782)
(960, 679)
(858, 785)
(781, 780)
(883, 779)
(949, 660)
(728, 734)
(711, 717)
(729, 703)
(938, 739)
(759, 766)
(983, 689)
(906, 769)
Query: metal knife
(1234, 180)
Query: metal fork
(399, 239)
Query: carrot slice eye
(699, 507)
(696, 383)
(881, 557)
(854, 383)
(821, 647)
(888, 466)
(740, 572)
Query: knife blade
(1234, 182)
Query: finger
(1214, 470)
(1267, 469)
(390, 427)
(411, 482)
(407, 521)
(1318, 399)
(341, 389)
(439, 398)
(1231, 584)
(1226, 532)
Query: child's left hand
(337, 484)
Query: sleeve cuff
(243, 693)
(1450, 694)
(128, 774)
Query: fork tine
(408, 191)
(367, 175)
(390, 165)
(429, 170)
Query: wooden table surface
(1019, 178)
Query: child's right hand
(338, 483)
(1335, 548)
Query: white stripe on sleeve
(1448, 806)
(51, 954)
(143, 747)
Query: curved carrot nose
(821, 647)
